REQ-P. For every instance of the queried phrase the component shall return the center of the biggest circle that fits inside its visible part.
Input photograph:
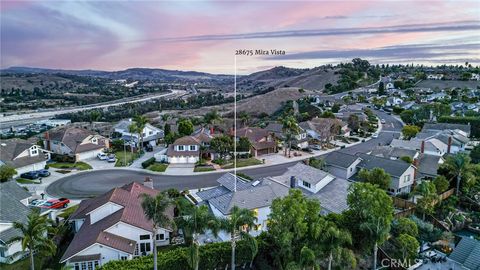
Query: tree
(407, 247)
(376, 176)
(333, 242)
(6, 173)
(34, 235)
(185, 127)
(335, 108)
(404, 225)
(222, 144)
(243, 144)
(166, 129)
(410, 131)
(155, 209)
(475, 154)
(133, 129)
(428, 193)
(370, 213)
(193, 224)
(381, 89)
(407, 159)
(140, 122)
(245, 118)
(441, 184)
(238, 217)
(407, 116)
(95, 116)
(318, 163)
(290, 129)
(212, 118)
(459, 165)
(328, 114)
(353, 122)
(307, 258)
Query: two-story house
(151, 135)
(79, 143)
(184, 150)
(22, 155)
(263, 141)
(300, 140)
(342, 164)
(113, 226)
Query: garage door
(88, 155)
(192, 159)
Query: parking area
(100, 164)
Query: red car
(56, 203)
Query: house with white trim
(22, 155)
(151, 135)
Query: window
(193, 147)
(123, 258)
(305, 184)
(77, 266)
(145, 237)
(160, 236)
(90, 265)
(34, 152)
(144, 248)
(181, 148)
(136, 251)
(150, 132)
(406, 178)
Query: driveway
(180, 169)
(98, 164)
(147, 155)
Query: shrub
(219, 161)
(148, 162)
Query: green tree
(407, 116)
(290, 129)
(428, 193)
(94, 116)
(243, 144)
(212, 118)
(475, 154)
(34, 235)
(318, 163)
(407, 159)
(404, 225)
(155, 209)
(335, 108)
(167, 129)
(6, 173)
(185, 127)
(376, 176)
(140, 122)
(238, 217)
(410, 131)
(353, 122)
(133, 129)
(407, 247)
(328, 114)
(245, 118)
(459, 165)
(222, 145)
(333, 242)
(381, 89)
(307, 258)
(371, 214)
(441, 183)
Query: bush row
(148, 162)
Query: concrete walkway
(147, 155)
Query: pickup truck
(56, 203)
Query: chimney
(212, 131)
(47, 139)
(293, 182)
(148, 182)
(449, 145)
(422, 147)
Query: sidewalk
(147, 155)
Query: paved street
(91, 183)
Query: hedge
(474, 122)
(148, 162)
(215, 255)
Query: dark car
(43, 173)
(56, 203)
(30, 175)
(149, 148)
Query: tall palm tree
(213, 118)
(426, 203)
(459, 166)
(133, 130)
(155, 210)
(333, 242)
(140, 121)
(245, 117)
(238, 217)
(290, 128)
(195, 223)
(34, 235)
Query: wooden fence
(402, 203)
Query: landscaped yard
(157, 167)
(24, 264)
(243, 163)
(67, 212)
(203, 169)
(27, 181)
(77, 165)
(123, 157)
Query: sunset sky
(203, 35)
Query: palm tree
(252, 246)
(307, 258)
(133, 129)
(213, 118)
(140, 121)
(459, 165)
(195, 223)
(34, 235)
(238, 217)
(245, 117)
(290, 128)
(426, 203)
(333, 242)
(155, 209)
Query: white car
(375, 135)
(102, 156)
(382, 121)
(37, 202)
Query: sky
(204, 35)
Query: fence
(402, 203)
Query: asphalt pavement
(91, 183)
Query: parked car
(43, 173)
(111, 158)
(315, 147)
(102, 156)
(56, 203)
(382, 121)
(375, 135)
(30, 175)
(37, 202)
(149, 148)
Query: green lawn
(203, 169)
(27, 181)
(157, 167)
(67, 212)
(23, 264)
(243, 163)
(77, 165)
(122, 156)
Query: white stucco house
(113, 226)
(22, 155)
(150, 134)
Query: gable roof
(442, 126)
(72, 137)
(428, 164)
(467, 253)
(392, 152)
(393, 167)
(12, 210)
(340, 159)
(305, 173)
(332, 197)
(11, 148)
(254, 134)
(187, 140)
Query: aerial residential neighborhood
(251, 135)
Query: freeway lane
(91, 183)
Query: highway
(90, 183)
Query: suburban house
(442, 126)
(79, 143)
(237, 191)
(151, 134)
(466, 254)
(263, 142)
(113, 226)
(393, 101)
(300, 141)
(184, 150)
(13, 201)
(22, 155)
(401, 172)
(341, 164)
(434, 76)
(431, 147)
(475, 77)
(324, 129)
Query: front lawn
(67, 212)
(125, 158)
(243, 163)
(157, 167)
(24, 264)
(81, 166)
(27, 181)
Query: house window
(145, 237)
(150, 132)
(160, 236)
(90, 265)
(144, 248)
(305, 184)
(181, 148)
(34, 152)
(123, 258)
(136, 251)
(406, 178)
(193, 148)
